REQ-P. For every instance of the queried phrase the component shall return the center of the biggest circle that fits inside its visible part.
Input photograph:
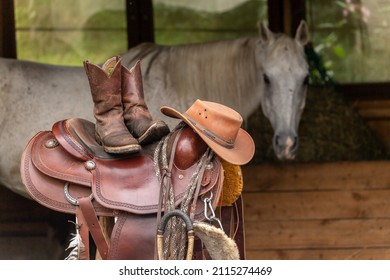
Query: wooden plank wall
(377, 115)
(317, 211)
(372, 102)
(338, 210)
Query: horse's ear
(266, 35)
(302, 35)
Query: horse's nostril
(295, 143)
(286, 142)
(277, 141)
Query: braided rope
(175, 233)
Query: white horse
(243, 73)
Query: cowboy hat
(220, 127)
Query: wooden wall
(337, 210)
(318, 211)
(372, 101)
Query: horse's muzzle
(285, 146)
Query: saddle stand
(66, 170)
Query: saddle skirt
(65, 165)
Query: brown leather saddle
(66, 170)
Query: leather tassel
(77, 246)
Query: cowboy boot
(136, 114)
(110, 129)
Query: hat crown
(218, 122)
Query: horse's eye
(266, 79)
(306, 80)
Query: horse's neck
(223, 71)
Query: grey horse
(242, 73)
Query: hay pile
(330, 130)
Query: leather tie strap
(83, 229)
(94, 226)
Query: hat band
(211, 135)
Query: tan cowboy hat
(220, 127)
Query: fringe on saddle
(76, 244)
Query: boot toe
(157, 130)
(120, 143)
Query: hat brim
(240, 154)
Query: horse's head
(284, 70)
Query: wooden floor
(292, 211)
(318, 211)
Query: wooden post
(7, 29)
(275, 15)
(285, 15)
(139, 22)
(298, 13)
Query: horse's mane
(223, 71)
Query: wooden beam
(275, 15)
(140, 27)
(297, 13)
(318, 234)
(303, 177)
(365, 91)
(358, 253)
(7, 29)
(285, 15)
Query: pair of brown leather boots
(123, 121)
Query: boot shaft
(132, 86)
(135, 111)
(105, 84)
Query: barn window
(188, 21)
(352, 36)
(67, 32)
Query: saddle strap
(233, 224)
(94, 226)
(240, 232)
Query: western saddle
(66, 170)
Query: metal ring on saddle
(70, 198)
(161, 230)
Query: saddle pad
(129, 184)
